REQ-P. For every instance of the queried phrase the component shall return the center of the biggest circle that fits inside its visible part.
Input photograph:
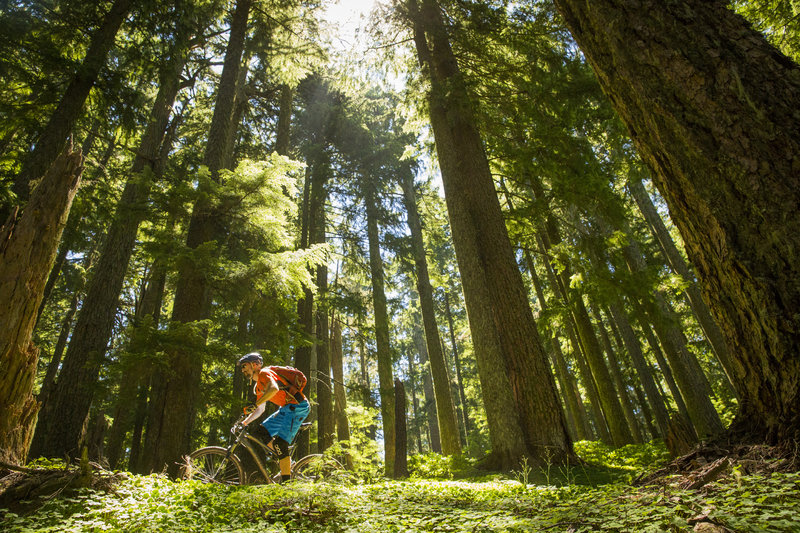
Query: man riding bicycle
(280, 428)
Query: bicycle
(215, 464)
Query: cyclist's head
(252, 357)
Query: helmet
(252, 357)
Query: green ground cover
(597, 496)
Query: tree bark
(400, 469)
(712, 107)
(634, 349)
(427, 389)
(28, 247)
(577, 348)
(445, 408)
(675, 260)
(73, 394)
(511, 361)
(457, 360)
(619, 380)
(339, 393)
(688, 374)
(282, 136)
(176, 408)
(385, 374)
(569, 390)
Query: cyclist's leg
(284, 427)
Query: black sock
(285, 477)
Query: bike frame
(252, 444)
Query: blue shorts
(285, 422)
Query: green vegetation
(492, 503)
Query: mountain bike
(215, 464)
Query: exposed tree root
(23, 490)
(709, 462)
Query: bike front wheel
(214, 464)
(316, 467)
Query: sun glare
(346, 17)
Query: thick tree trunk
(445, 408)
(50, 142)
(28, 247)
(511, 361)
(385, 374)
(675, 260)
(174, 418)
(712, 108)
(74, 391)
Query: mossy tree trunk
(712, 108)
(385, 374)
(510, 357)
(28, 248)
(172, 423)
(61, 424)
(445, 408)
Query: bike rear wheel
(316, 467)
(214, 464)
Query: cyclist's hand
(237, 428)
(249, 408)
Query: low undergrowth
(763, 502)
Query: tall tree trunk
(688, 374)
(176, 409)
(577, 348)
(634, 349)
(50, 142)
(385, 374)
(457, 360)
(509, 352)
(445, 409)
(28, 247)
(612, 408)
(675, 260)
(712, 107)
(63, 421)
(400, 467)
(339, 393)
(569, 389)
(427, 389)
(415, 410)
(326, 421)
(619, 380)
(282, 136)
(666, 371)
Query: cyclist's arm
(272, 389)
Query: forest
(539, 261)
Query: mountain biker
(280, 428)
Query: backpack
(292, 379)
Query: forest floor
(748, 490)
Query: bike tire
(214, 464)
(316, 467)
